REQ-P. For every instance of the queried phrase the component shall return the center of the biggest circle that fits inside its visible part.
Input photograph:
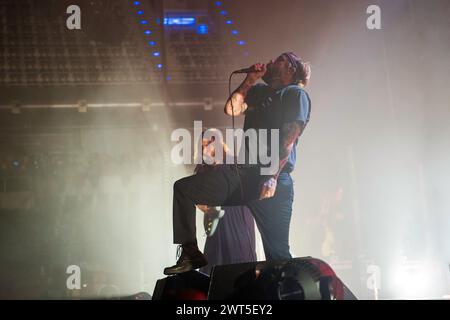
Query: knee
(177, 186)
(180, 185)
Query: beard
(267, 78)
(271, 75)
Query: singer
(281, 103)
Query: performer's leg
(219, 187)
(273, 217)
(214, 188)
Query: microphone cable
(235, 164)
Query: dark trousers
(232, 186)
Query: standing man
(280, 104)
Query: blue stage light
(202, 29)
(156, 54)
(179, 21)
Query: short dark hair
(303, 69)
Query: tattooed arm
(236, 103)
(290, 131)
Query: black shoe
(190, 259)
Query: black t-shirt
(270, 109)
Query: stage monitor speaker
(191, 285)
(296, 279)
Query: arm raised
(236, 102)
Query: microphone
(246, 70)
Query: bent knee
(181, 185)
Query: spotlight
(414, 279)
(202, 29)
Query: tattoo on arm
(243, 88)
(236, 103)
(290, 131)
